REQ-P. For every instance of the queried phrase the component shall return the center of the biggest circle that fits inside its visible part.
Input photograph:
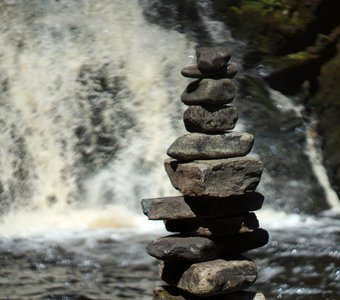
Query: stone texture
(195, 146)
(172, 293)
(209, 92)
(210, 119)
(211, 59)
(214, 227)
(215, 178)
(179, 207)
(192, 71)
(177, 247)
(210, 278)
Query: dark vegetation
(298, 43)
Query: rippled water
(301, 261)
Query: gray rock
(209, 92)
(172, 293)
(195, 146)
(211, 59)
(177, 247)
(215, 178)
(192, 71)
(179, 207)
(214, 227)
(210, 119)
(210, 278)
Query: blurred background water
(89, 94)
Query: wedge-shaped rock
(210, 278)
(214, 227)
(194, 146)
(192, 71)
(179, 207)
(211, 59)
(215, 178)
(177, 247)
(210, 119)
(172, 293)
(209, 92)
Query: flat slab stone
(215, 178)
(209, 92)
(172, 293)
(195, 146)
(211, 59)
(214, 227)
(210, 278)
(179, 207)
(210, 119)
(196, 249)
(192, 71)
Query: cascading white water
(80, 78)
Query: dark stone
(177, 247)
(212, 277)
(195, 146)
(172, 293)
(209, 92)
(214, 227)
(192, 71)
(215, 178)
(179, 208)
(210, 60)
(210, 119)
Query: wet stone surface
(196, 146)
(209, 92)
(179, 247)
(179, 207)
(215, 178)
(210, 119)
(210, 278)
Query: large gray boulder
(210, 278)
(210, 119)
(179, 207)
(199, 248)
(209, 92)
(196, 146)
(215, 178)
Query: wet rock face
(210, 60)
(198, 249)
(208, 92)
(215, 178)
(190, 208)
(217, 181)
(197, 146)
(210, 278)
(210, 119)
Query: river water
(89, 94)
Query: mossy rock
(268, 24)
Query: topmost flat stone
(213, 59)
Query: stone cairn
(212, 221)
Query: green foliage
(269, 23)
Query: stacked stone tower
(213, 221)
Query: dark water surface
(301, 261)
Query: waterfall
(89, 103)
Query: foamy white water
(89, 97)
